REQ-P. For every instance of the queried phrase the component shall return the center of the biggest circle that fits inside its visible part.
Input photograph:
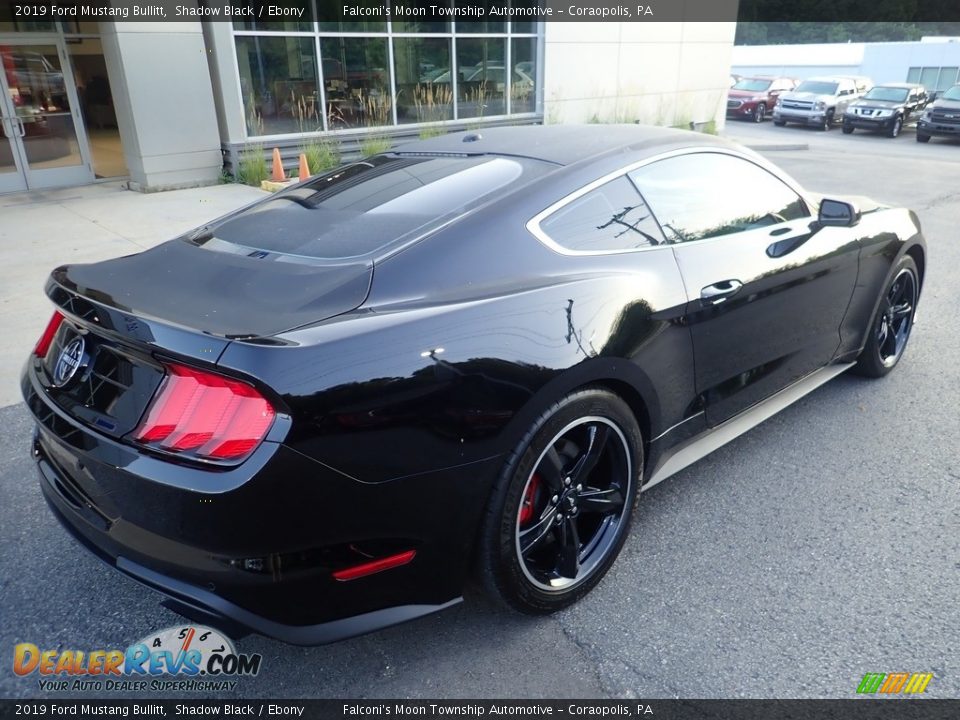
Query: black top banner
(23, 12)
(263, 11)
(443, 709)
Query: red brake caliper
(529, 498)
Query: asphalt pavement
(822, 545)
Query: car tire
(779, 123)
(827, 121)
(890, 329)
(581, 461)
(895, 129)
(922, 138)
(847, 129)
(760, 114)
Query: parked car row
(849, 101)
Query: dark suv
(885, 108)
(750, 98)
(942, 117)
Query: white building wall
(656, 73)
(881, 62)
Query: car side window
(705, 195)
(610, 217)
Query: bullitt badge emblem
(69, 361)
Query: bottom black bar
(855, 709)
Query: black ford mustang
(314, 416)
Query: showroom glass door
(43, 143)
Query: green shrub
(322, 154)
(374, 145)
(252, 169)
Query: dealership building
(170, 104)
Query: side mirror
(837, 213)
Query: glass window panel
(9, 22)
(612, 217)
(416, 26)
(482, 26)
(913, 75)
(278, 80)
(948, 78)
(39, 94)
(288, 15)
(423, 84)
(368, 16)
(357, 81)
(523, 81)
(928, 77)
(82, 27)
(706, 195)
(524, 26)
(481, 77)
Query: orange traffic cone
(304, 168)
(278, 175)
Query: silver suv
(819, 101)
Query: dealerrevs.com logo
(191, 657)
(894, 683)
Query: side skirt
(685, 454)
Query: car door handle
(720, 291)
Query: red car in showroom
(751, 97)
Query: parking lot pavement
(43, 229)
(822, 545)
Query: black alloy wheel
(897, 126)
(760, 114)
(562, 507)
(888, 337)
(847, 129)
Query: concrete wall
(656, 73)
(164, 102)
(222, 61)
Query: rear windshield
(752, 85)
(816, 87)
(363, 208)
(887, 94)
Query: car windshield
(817, 87)
(752, 85)
(952, 94)
(362, 208)
(887, 94)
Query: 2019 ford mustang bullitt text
(315, 416)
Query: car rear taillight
(205, 416)
(43, 344)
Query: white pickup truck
(819, 101)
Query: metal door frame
(31, 179)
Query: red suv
(751, 97)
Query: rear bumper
(260, 548)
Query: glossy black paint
(400, 387)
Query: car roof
(907, 86)
(559, 144)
